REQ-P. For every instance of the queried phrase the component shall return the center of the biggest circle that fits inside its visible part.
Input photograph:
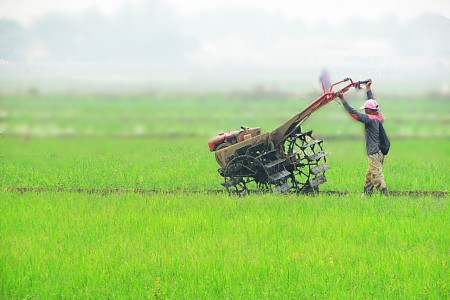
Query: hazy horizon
(220, 45)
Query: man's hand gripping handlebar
(356, 84)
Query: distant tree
(146, 35)
(13, 41)
(426, 35)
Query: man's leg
(368, 183)
(378, 177)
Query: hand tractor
(285, 159)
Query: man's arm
(353, 112)
(369, 89)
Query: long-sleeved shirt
(371, 124)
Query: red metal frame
(280, 134)
(330, 95)
(288, 127)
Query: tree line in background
(153, 34)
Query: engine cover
(232, 137)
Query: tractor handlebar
(282, 133)
(364, 81)
(355, 84)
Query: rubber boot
(384, 191)
(368, 190)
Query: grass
(199, 245)
(202, 246)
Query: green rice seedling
(77, 245)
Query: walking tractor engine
(223, 140)
(285, 159)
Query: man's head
(370, 106)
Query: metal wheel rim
(246, 183)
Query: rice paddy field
(118, 196)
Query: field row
(187, 164)
(54, 115)
(93, 191)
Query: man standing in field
(371, 119)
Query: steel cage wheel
(301, 147)
(245, 175)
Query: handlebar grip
(363, 81)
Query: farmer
(371, 120)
